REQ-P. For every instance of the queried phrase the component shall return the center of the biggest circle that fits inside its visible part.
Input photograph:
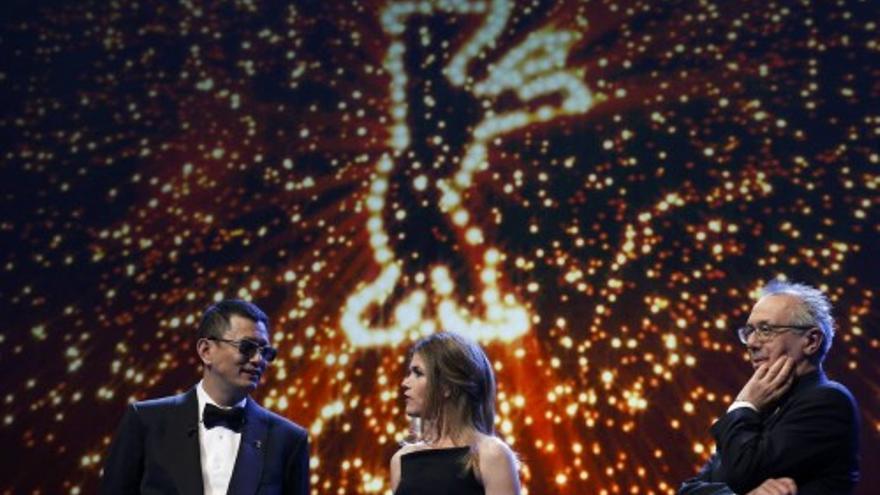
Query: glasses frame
(766, 331)
(248, 348)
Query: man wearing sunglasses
(213, 439)
(790, 429)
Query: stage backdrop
(593, 189)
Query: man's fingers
(766, 371)
(783, 369)
(783, 486)
(769, 382)
(761, 371)
(788, 482)
(773, 487)
(780, 383)
(779, 486)
(777, 372)
(788, 367)
(777, 366)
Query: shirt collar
(204, 398)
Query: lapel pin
(258, 444)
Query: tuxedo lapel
(251, 451)
(182, 446)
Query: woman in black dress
(450, 387)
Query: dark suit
(156, 451)
(811, 437)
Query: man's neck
(222, 396)
(805, 368)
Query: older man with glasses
(790, 429)
(213, 439)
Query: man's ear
(203, 347)
(814, 341)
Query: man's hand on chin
(767, 385)
(776, 486)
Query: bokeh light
(593, 189)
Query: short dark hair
(215, 321)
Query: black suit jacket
(156, 451)
(811, 437)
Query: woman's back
(437, 472)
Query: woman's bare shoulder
(408, 448)
(493, 449)
(498, 465)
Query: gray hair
(815, 309)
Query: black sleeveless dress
(437, 472)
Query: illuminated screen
(594, 190)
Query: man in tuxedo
(790, 429)
(213, 439)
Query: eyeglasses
(248, 348)
(765, 331)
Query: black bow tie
(231, 418)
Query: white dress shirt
(742, 403)
(218, 448)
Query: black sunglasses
(248, 348)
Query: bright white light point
(383, 255)
(449, 200)
(474, 236)
(379, 186)
(375, 203)
(378, 240)
(385, 164)
(492, 256)
(440, 278)
(373, 485)
(374, 225)
(460, 218)
(506, 426)
(409, 314)
(463, 179)
(420, 183)
(490, 296)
